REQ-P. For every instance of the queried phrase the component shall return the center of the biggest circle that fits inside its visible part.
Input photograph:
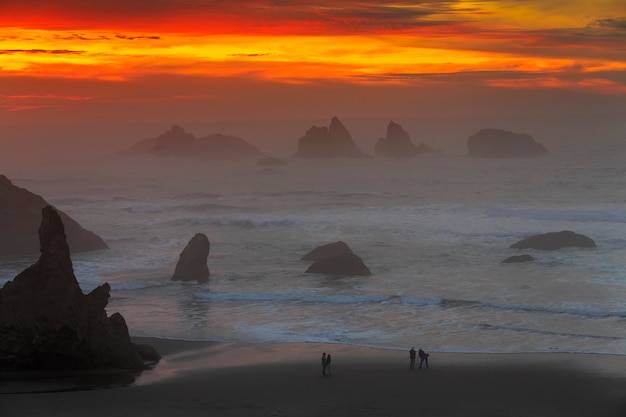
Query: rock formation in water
(177, 142)
(334, 141)
(20, 216)
(335, 259)
(343, 264)
(518, 259)
(327, 251)
(397, 143)
(555, 240)
(192, 263)
(498, 143)
(46, 322)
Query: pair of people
(326, 364)
(422, 355)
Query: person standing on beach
(328, 364)
(423, 358)
(324, 363)
(412, 357)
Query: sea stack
(46, 322)
(335, 259)
(555, 240)
(334, 141)
(397, 143)
(498, 143)
(192, 263)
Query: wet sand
(218, 379)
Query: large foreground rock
(334, 141)
(20, 216)
(177, 142)
(498, 143)
(46, 322)
(555, 240)
(192, 263)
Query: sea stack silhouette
(179, 143)
(335, 259)
(334, 141)
(20, 217)
(498, 143)
(46, 322)
(192, 263)
(397, 143)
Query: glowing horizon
(511, 45)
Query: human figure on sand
(423, 358)
(328, 364)
(324, 364)
(412, 357)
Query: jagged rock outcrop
(335, 259)
(20, 216)
(178, 142)
(555, 240)
(518, 259)
(334, 141)
(192, 263)
(327, 251)
(397, 143)
(498, 143)
(46, 322)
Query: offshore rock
(332, 142)
(343, 264)
(498, 143)
(397, 143)
(177, 142)
(20, 216)
(327, 251)
(46, 322)
(555, 240)
(192, 263)
(518, 259)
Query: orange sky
(176, 59)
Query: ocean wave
(244, 222)
(196, 196)
(143, 208)
(587, 312)
(546, 332)
(601, 216)
(203, 207)
(87, 200)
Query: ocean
(433, 230)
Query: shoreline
(225, 379)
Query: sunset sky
(173, 60)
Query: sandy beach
(218, 379)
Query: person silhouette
(324, 364)
(412, 357)
(423, 358)
(328, 364)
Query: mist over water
(433, 230)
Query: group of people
(412, 355)
(423, 358)
(326, 364)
